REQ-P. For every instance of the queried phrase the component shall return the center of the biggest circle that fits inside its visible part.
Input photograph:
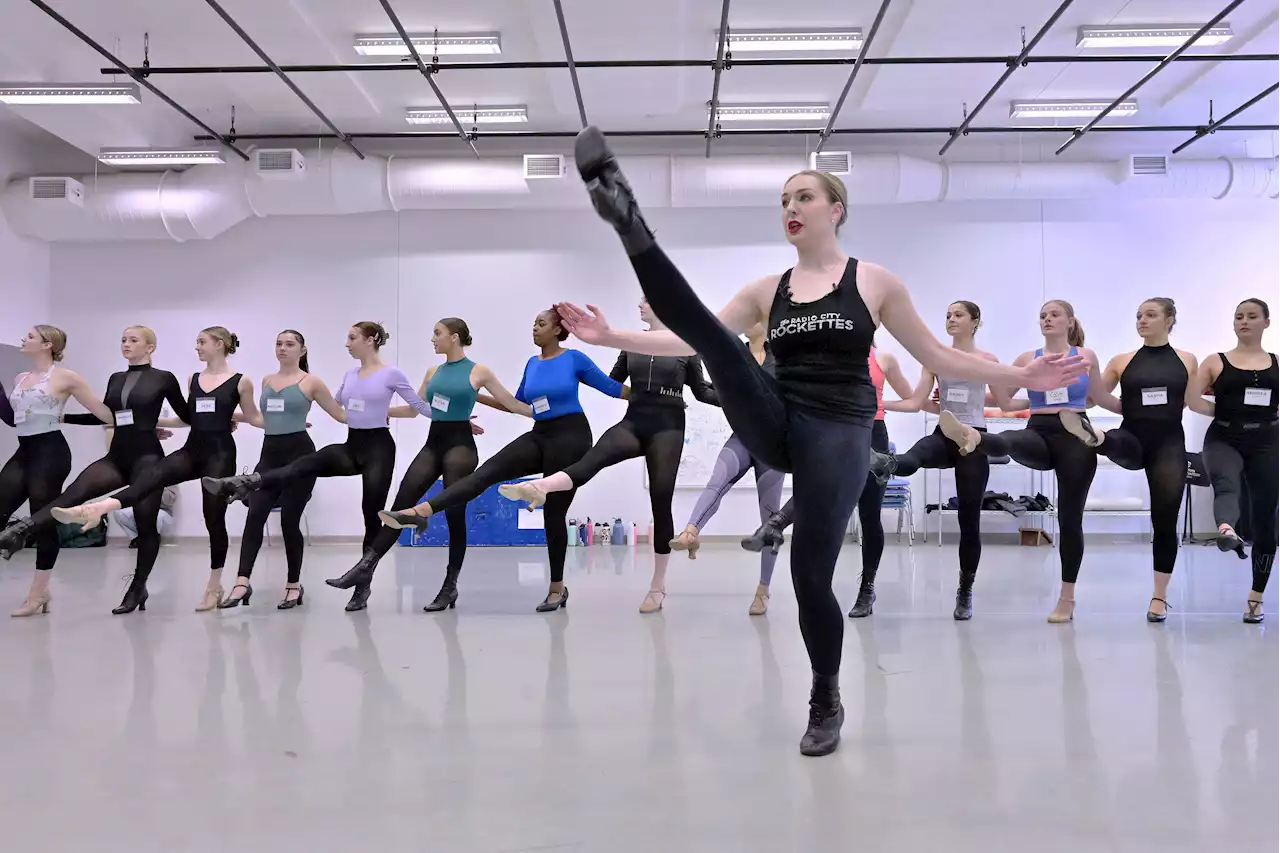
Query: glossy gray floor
(490, 728)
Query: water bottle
(618, 537)
(573, 534)
(633, 535)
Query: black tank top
(821, 350)
(1153, 386)
(211, 411)
(1246, 396)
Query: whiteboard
(705, 432)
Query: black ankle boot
(769, 535)
(14, 537)
(361, 574)
(964, 599)
(359, 598)
(866, 599)
(447, 597)
(232, 489)
(610, 193)
(826, 716)
(883, 467)
(135, 597)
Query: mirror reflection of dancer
(210, 451)
(134, 397)
(561, 435)
(37, 470)
(1241, 444)
(452, 389)
(883, 367)
(653, 428)
(369, 451)
(821, 316)
(1155, 385)
(286, 400)
(733, 462)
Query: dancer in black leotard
(210, 451)
(821, 316)
(36, 472)
(134, 397)
(1241, 444)
(1154, 387)
(653, 427)
(286, 399)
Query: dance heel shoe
(400, 519)
(561, 601)
(135, 598)
(826, 717)
(883, 467)
(14, 537)
(865, 602)
(290, 603)
(768, 535)
(235, 601)
(610, 193)
(39, 604)
(361, 574)
(232, 489)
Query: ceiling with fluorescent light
(189, 33)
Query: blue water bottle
(619, 537)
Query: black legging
(131, 455)
(1160, 449)
(785, 438)
(1233, 455)
(655, 432)
(870, 504)
(206, 454)
(551, 446)
(277, 452)
(1045, 445)
(35, 475)
(450, 452)
(972, 473)
(368, 453)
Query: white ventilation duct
(205, 201)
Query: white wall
(497, 270)
(24, 266)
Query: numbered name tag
(355, 404)
(541, 405)
(1257, 396)
(206, 405)
(124, 417)
(440, 401)
(276, 405)
(19, 417)
(957, 395)
(1155, 396)
(1056, 397)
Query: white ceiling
(188, 32)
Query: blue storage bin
(492, 520)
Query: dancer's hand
(164, 434)
(476, 429)
(589, 326)
(1054, 370)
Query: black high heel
(826, 717)
(866, 602)
(361, 574)
(232, 601)
(1158, 617)
(1232, 542)
(232, 489)
(964, 599)
(135, 598)
(359, 599)
(768, 535)
(883, 467)
(290, 603)
(14, 537)
(447, 597)
(610, 193)
(547, 605)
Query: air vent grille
(275, 160)
(1155, 164)
(833, 162)
(543, 166)
(44, 188)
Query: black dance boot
(14, 537)
(232, 489)
(883, 467)
(866, 599)
(135, 597)
(826, 716)
(361, 574)
(447, 597)
(610, 193)
(964, 598)
(359, 598)
(769, 535)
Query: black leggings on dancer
(1158, 448)
(450, 452)
(1250, 456)
(1045, 445)
(35, 475)
(204, 455)
(783, 437)
(551, 446)
(657, 434)
(277, 452)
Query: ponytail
(1075, 334)
(302, 342)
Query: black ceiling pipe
(713, 108)
(568, 55)
(1217, 125)
(857, 66)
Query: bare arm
(320, 395)
(248, 405)
(1004, 394)
(78, 389)
(6, 408)
(1099, 393)
(1194, 397)
(1210, 368)
(410, 411)
(915, 399)
(503, 398)
(893, 375)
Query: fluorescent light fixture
(1068, 109)
(1150, 35)
(794, 41)
(476, 115)
(772, 112)
(69, 93)
(446, 44)
(143, 157)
